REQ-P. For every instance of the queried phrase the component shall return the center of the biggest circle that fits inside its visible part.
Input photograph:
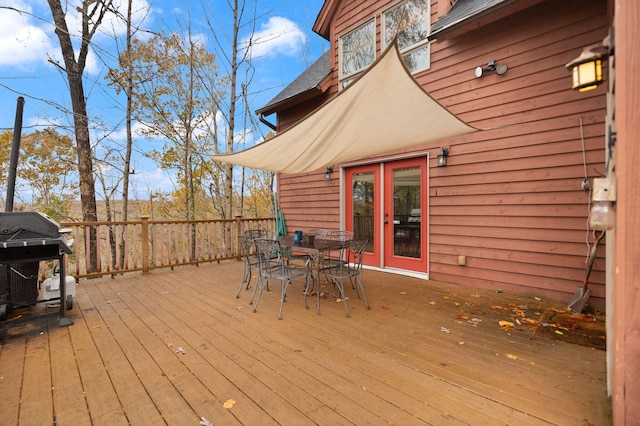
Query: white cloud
(277, 36)
(27, 38)
(22, 42)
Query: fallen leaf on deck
(386, 308)
(474, 295)
(205, 422)
(403, 292)
(460, 342)
(559, 332)
(432, 303)
(457, 304)
(474, 321)
(181, 350)
(511, 356)
(445, 330)
(229, 403)
(505, 325)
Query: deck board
(119, 362)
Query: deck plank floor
(172, 347)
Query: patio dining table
(314, 251)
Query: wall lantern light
(586, 69)
(492, 66)
(327, 173)
(442, 157)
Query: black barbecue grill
(26, 238)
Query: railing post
(144, 233)
(238, 233)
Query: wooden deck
(175, 346)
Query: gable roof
(309, 83)
(463, 12)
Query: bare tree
(236, 59)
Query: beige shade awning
(384, 110)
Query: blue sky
(284, 47)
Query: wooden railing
(144, 245)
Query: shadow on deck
(173, 347)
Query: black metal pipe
(13, 161)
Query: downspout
(264, 121)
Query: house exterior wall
(511, 198)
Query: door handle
(386, 221)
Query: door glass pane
(406, 212)
(363, 203)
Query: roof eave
(298, 98)
(322, 25)
(482, 17)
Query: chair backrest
(269, 253)
(256, 233)
(318, 233)
(246, 246)
(357, 248)
(340, 235)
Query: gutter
(266, 122)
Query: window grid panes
(409, 20)
(357, 51)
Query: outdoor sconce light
(442, 157)
(327, 173)
(492, 66)
(586, 69)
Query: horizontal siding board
(573, 210)
(517, 283)
(569, 262)
(559, 278)
(550, 222)
(505, 233)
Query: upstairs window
(410, 21)
(357, 51)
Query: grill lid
(23, 229)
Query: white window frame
(347, 78)
(416, 47)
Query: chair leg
(284, 297)
(306, 292)
(260, 284)
(246, 276)
(364, 295)
(340, 284)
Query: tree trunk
(74, 72)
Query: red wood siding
(625, 338)
(510, 199)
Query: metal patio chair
(333, 258)
(273, 264)
(349, 269)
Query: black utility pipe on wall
(13, 161)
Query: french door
(387, 204)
